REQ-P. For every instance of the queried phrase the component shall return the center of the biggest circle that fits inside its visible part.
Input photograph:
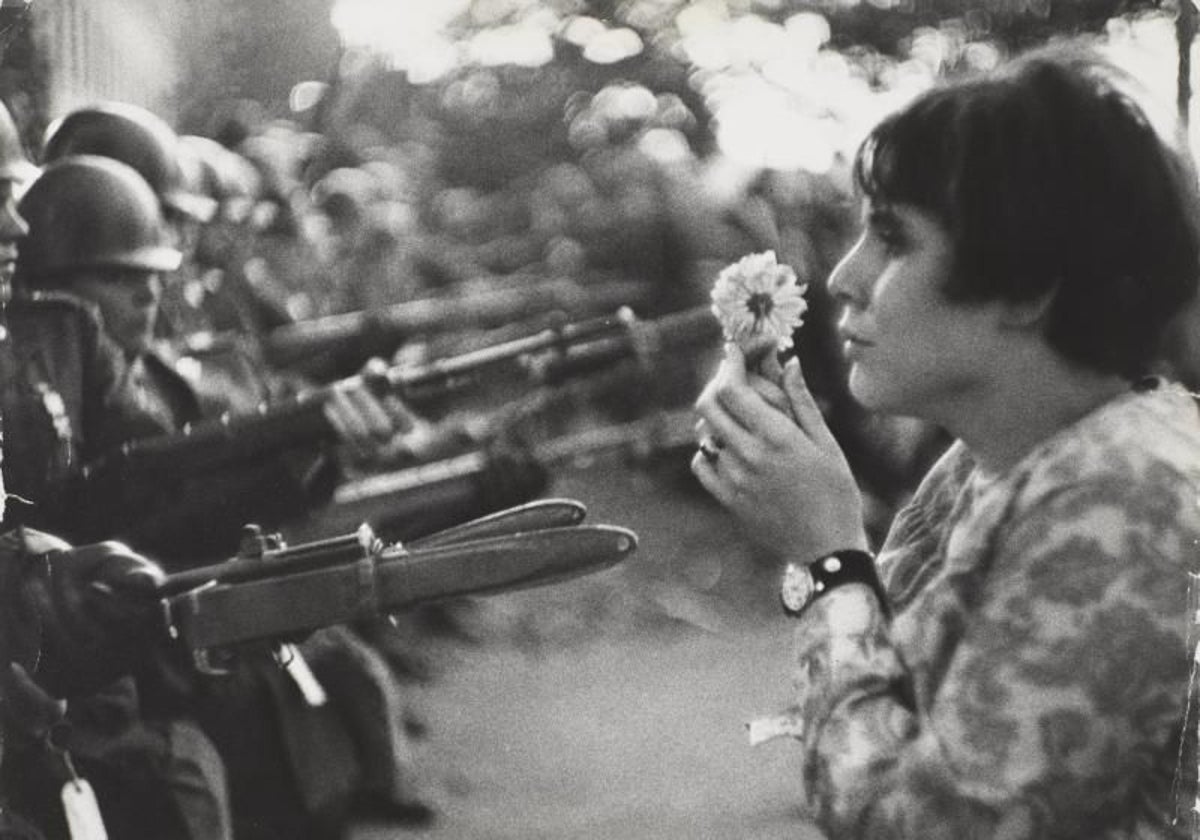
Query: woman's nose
(847, 282)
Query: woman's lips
(853, 345)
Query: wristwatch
(803, 583)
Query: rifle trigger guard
(205, 662)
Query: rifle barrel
(289, 344)
(572, 348)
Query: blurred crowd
(201, 333)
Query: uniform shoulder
(59, 303)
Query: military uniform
(65, 396)
(68, 396)
(71, 397)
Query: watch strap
(804, 583)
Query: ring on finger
(709, 451)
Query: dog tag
(297, 668)
(83, 812)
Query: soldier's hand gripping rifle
(75, 618)
(548, 356)
(274, 592)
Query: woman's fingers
(705, 470)
(720, 475)
(743, 412)
(748, 412)
(804, 406)
(771, 393)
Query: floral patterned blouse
(1034, 680)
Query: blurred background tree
(505, 69)
(482, 107)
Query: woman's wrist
(804, 582)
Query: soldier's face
(128, 302)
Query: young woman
(1015, 662)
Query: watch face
(798, 587)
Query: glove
(28, 708)
(92, 603)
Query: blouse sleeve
(1065, 687)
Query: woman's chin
(871, 392)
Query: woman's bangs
(899, 166)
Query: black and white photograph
(599, 420)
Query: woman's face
(128, 301)
(910, 350)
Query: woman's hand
(771, 460)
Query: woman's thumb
(770, 369)
(804, 407)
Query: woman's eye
(893, 240)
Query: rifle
(271, 591)
(351, 338)
(408, 503)
(549, 356)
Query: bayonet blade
(290, 604)
(502, 563)
(534, 516)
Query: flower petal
(759, 275)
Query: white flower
(758, 299)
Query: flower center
(760, 305)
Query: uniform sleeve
(1066, 685)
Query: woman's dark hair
(1051, 180)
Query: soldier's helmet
(225, 176)
(90, 212)
(136, 137)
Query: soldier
(71, 621)
(60, 376)
(110, 252)
(143, 140)
(371, 263)
(233, 300)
